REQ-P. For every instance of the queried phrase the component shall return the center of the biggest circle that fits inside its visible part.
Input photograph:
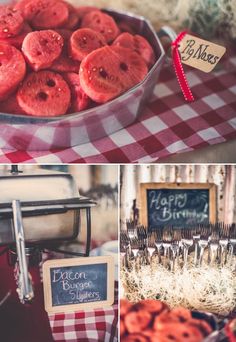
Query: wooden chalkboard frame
(109, 260)
(149, 186)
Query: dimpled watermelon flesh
(109, 71)
(126, 27)
(11, 21)
(102, 23)
(132, 67)
(84, 41)
(137, 43)
(46, 14)
(12, 69)
(73, 18)
(83, 10)
(79, 100)
(42, 48)
(17, 40)
(11, 106)
(44, 93)
(21, 5)
(65, 64)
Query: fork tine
(158, 234)
(176, 235)
(167, 233)
(198, 229)
(204, 232)
(151, 239)
(186, 233)
(233, 231)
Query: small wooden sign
(199, 53)
(177, 204)
(78, 283)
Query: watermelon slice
(73, 18)
(83, 10)
(21, 5)
(46, 14)
(11, 106)
(11, 21)
(126, 27)
(12, 69)
(84, 41)
(137, 43)
(42, 48)
(17, 40)
(109, 71)
(44, 93)
(79, 100)
(65, 64)
(102, 23)
(132, 67)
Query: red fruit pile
(230, 330)
(152, 321)
(57, 59)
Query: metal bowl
(23, 132)
(211, 319)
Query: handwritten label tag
(199, 53)
(78, 283)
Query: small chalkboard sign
(177, 204)
(78, 283)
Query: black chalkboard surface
(72, 284)
(78, 284)
(178, 205)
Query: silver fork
(167, 239)
(135, 247)
(131, 229)
(125, 249)
(124, 242)
(175, 248)
(196, 238)
(214, 245)
(223, 242)
(151, 247)
(203, 242)
(187, 240)
(142, 234)
(159, 242)
(232, 242)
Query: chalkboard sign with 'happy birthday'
(177, 204)
(78, 283)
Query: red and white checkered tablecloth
(98, 325)
(168, 124)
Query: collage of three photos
(117, 171)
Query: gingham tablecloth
(168, 124)
(98, 325)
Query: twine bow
(179, 68)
